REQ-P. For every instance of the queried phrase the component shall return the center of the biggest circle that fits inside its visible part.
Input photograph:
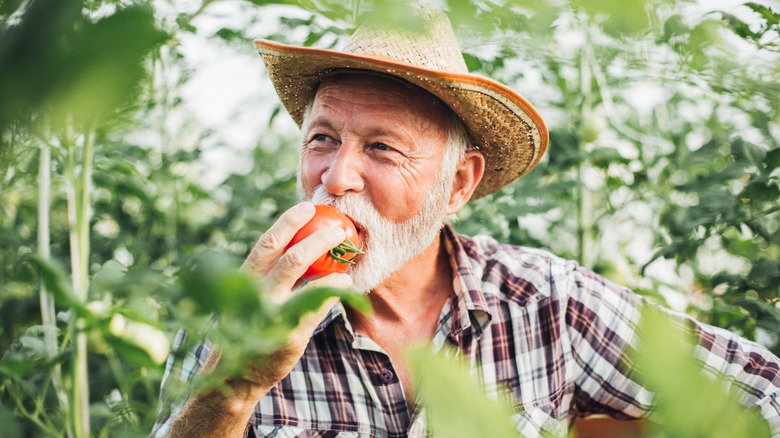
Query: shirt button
(386, 375)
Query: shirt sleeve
(182, 366)
(602, 320)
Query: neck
(406, 308)
(412, 297)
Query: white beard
(388, 246)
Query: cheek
(396, 201)
(310, 172)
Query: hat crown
(433, 45)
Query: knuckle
(269, 241)
(295, 257)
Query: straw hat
(502, 125)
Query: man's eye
(320, 137)
(382, 147)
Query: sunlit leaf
(622, 17)
(138, 343)
(689, 403)
(456, 406)
(308, 300)
(104, 66)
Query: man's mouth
(358, 227)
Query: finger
(340, 281)
(297, 259)
(272, 243)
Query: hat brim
(508, 131)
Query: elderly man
(397, 135)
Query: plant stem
(124, 388)
(48, 312)
(584, 201)
(78, 212)
(585, 220)
(355, 12)
(12, 391)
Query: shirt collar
(470, 306)
(337, 313)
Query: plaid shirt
(552, 334)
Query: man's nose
(344, 173)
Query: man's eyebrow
(320, 121)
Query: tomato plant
(338, 259)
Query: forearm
(218, 413)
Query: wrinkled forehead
(415, 97)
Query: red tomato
(339, 258)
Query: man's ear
(467, 177)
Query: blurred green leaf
(689, 403)
(767, 316)
(109, 276)
(56, 281)
(456, 406)
(307, 300)
(105, 64)
(11, 427)
(772, 159)
(138, 343)
(674, 26)
(216, 284)
(622, 17)
(739, 27)
(30, 51)
(771, 17)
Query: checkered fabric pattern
(552, 335)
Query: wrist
(243, 397)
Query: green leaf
(772, 160)
(11, 425)
(28, 355)
(765, 272)
(308, 300)
(138, 343)
(217, 285)
(771, 17)
(767, 316)
(109, 276)
(674, 26)
(622, 17)
(56, 282)
(456, 405)
(690, 403)
(739, 27)
(29, 52)
(105, 65)
(184, 21)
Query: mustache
(357, 208)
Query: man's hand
(227, 415)
(280, 272)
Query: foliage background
(165, 140)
